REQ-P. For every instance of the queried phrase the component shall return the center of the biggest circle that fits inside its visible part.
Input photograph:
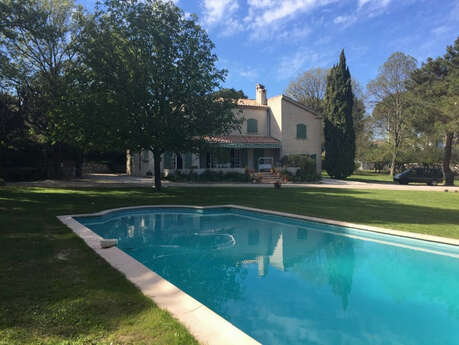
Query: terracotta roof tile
(243, 139)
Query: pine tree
(339, 128)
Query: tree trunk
(392, 163)
(79, 161)
(128, 163)
(449, 175)
(157, 162)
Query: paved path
(121, 180)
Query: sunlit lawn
(55, 290)
(373, 177)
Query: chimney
(261, 94)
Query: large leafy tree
(151, 80)
(38, 40)
(435, 87)
(388, 94)
(339, 126)
(309, 89)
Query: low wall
(200, 171)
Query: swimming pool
(290, 281)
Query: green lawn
(372, 177)
(55, 290)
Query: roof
(250, 103)
(245, 141)
(300, 105)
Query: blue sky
(272, 41)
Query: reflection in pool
(287, 281)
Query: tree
(435, 88)
(12, 127)
(38, 41)
(309, 89)
(152, 80)
(339, 126)
(388, 93)
(231, 94)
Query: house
(272, 128)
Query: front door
(257, 153)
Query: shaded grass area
(55, 290)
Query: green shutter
(252, 126)
(167, 160)
(301, 131)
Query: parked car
(431, 176)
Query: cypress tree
(339, 127)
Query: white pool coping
(204, 324)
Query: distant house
(272, 128)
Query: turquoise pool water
(288, 281)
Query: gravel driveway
(122, 180)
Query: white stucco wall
(252, 113)
(293, 115)
(275, 110)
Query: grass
(373, 177)
(55, 290)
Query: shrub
(2, 182)
(307, 168)
(209, 176)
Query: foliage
(309, 89)
(339, 127)
(434, 88)
(153, 78)
(388, 94)
(378, 154)
(307, 168)
(231, 94)
(38, 44)
(12, 126)
(208, 176)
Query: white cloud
(265, 12)
(303, 59)
(216, 10)
(345, 20)
(248, 74)
(374, 3)
(373, 7)
(439, 30)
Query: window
(301, 131)
(235, 158)
(252, 126)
